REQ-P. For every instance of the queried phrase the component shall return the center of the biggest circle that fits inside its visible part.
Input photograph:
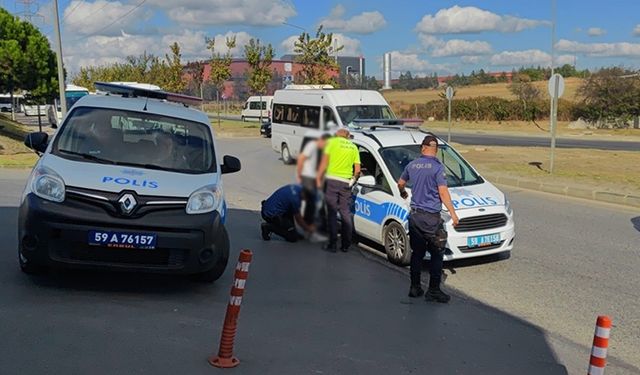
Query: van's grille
(156, 257)
(474, 223)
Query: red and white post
(600, 344)
(225, 358)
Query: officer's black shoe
(344, 249)
(416, 291)
(330, 247)
(266, 234)
(437, 295)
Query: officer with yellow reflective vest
(340, 167)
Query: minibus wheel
(286, 155)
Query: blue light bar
(132, 91)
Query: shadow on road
(636, 223)
(304, 311)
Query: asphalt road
(538, 141)
(307, 311)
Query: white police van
(486, 223)
(132, 180)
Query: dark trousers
(422, 237)
(311, 195)
(338, 197)
(283, 226)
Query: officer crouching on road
(279, 212)
(426, 231)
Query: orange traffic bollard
(600, 344)
(225, 358)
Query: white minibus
(300, 113)
(257, 107)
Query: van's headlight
(507, 206)
(48, 185)
(203, 200)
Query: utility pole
(61, 83)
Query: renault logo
(127, 203)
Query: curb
(570, 191)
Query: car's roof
(154, 106)
(389, 137)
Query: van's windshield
(136, 139)
(348, 113)
(459, 173)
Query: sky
(423, 36)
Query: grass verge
(234, 128)
(583, 168)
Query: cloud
(636, 30)
(621, 49)
(227, 12)
(363, 23)
(402, 62)
(102, 49)
(528, 57)
(596, 31)
(351, 45)
(454, 47)
(471, 60)
(85, 18)
(459, 20)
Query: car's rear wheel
(216, 272)
(243, 119)
(396, 244)
(286, 155)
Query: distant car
(130, 181)
(35, 109)
(265, 129)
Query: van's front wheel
(222, 244)
(396, 244)
(286, 155)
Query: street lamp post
(61, 83)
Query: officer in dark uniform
(426, 231)
(281, 212)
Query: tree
(528, 94)
(196, 73)
(220, 64)
(259, 57)
(315, 55)
(610, 97)
(174, 81)
(27, 62)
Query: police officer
(281, 211)
(340, 166)
(426, 231)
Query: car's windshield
(349, 113)
(136, 139)
(459, 173)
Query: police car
(132, 180)
(486, 223)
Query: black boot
(330, 247)
(416, 291)
(266, 233)
(437, 295)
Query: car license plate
(123, 240)
(485, 240)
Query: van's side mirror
(230, 164)
(37, 141)
(367, 181)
